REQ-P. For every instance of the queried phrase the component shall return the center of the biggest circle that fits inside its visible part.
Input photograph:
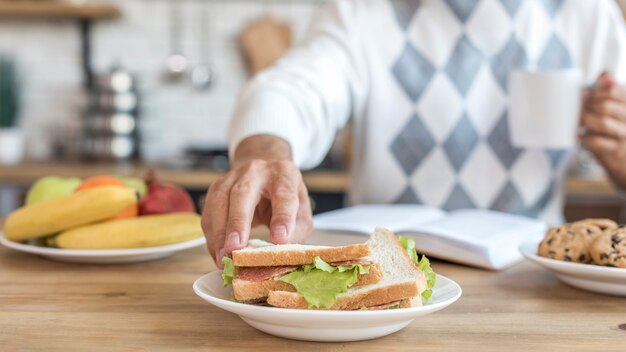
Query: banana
(143, 231)
(59, 214)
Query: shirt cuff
(269, 113)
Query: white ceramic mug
(544, 108)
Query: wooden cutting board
(264, 41)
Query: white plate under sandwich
(588, 277)
(103, 256)
(320, 325)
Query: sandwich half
(402, 285)
(318, 272)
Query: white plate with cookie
(588, 277)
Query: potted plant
(11, 138)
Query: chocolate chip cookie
(570, 242)
(603, 224)
(610, 248)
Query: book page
(482, 227)
(364, 218)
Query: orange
(98, 181)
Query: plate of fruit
(103, 219)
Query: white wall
(174, 117)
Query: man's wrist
(261, 147)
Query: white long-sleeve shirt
(426, 85)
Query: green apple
(51, 187)
(134, 182)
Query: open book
(476, 237)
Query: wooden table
(50, 306)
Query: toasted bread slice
(297, 254)
(402, 279)
(254, 291)
(412, 302)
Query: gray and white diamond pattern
(552, 6)
(408, 196)
(440, 107)
(500, 142)
(412, 144)
(485, 102)
(462, 8)
(533, 25)
(489, 27)
(460, 143)
(483, 176)
(405, 10)
(456, 149)
(458, 199)
(464, 64)
(413, 71)
(528, 175)
(511, 6)
(512, 56)
(555, 55)
(434, 179)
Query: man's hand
(263, 187)
(604, 120)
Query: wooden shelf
(57, 9)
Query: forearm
(261, 147)
(310, 93)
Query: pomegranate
(163, 198)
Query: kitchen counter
(200, 179)
(316, 181)
(46, 305)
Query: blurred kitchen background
(122, 86)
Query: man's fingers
(214, 216)
(285, 202)
(604, 125)
(304, 220)
(613, 92)
(612, 108)
(244, 196)
(600, 144)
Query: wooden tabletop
(49, 306)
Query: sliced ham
(262, 273)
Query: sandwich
(383, 273)
(262, 267)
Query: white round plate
(319, 325)
(588, 277)
(103, 256)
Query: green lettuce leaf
(423, 264)
(319, 263)
(409, 247)
(431, 277)
(320, 283)
(228, 274)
